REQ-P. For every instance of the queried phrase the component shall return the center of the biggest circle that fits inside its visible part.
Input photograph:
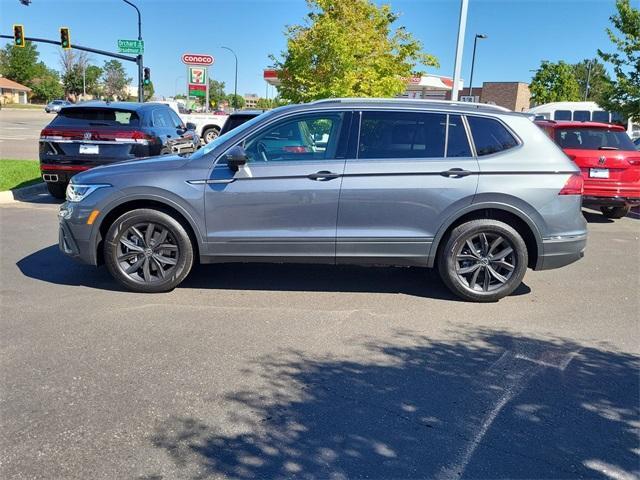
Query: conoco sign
(197, 59)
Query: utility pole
(139, 57)
(586, 88)
(462, 25)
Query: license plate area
(598, 173)
(89, 149)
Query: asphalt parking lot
(19, 132)
(267, 371)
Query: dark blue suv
(96, 133)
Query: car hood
(137, 166)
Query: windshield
(593, 139)
(230, 134)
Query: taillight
(634, 161)
(573, 186)
(294, 149)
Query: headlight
(77, 192)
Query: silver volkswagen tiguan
(476, 191)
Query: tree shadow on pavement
(487, 405)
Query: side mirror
(190, 126)
(236, 157)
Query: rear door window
(162, 118)
(582, 116)
(562, 115)
(490, 136)
(600, 116)
(85, 117)
(402, 135)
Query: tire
(615, 212)
(473, 275)
(136, 260)
(210, 134)
(57, 190)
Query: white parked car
(208, 126)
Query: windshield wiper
(608, 148)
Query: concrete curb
(22, 194)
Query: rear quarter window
(490, 136)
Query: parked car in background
(208, 126)
(90, 134)
(475, 189)
(608, 160)
(236, 119)
(55, 105)
(636, 142)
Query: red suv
(608, 159)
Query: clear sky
(521, 33)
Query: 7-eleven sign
(198, 75)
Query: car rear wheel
(57, 190)
(148, 251)
(210, 134)
(483, 260)
(615, 212)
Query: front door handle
(455, 173)
(323, 176)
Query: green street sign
(131, 46)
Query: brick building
(512, 95)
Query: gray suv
(475, 190)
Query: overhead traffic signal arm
(65, 38)
(18, 36)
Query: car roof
(255, 113)
(134, 106)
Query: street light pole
(462, 25)
(139, 58)
(586, 88)
(473, 61)
(235, 84)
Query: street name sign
(131, 46)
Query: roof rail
(425, 101)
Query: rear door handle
(455, 173)
(323, 176)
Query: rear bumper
(613, 201)
(560, 251)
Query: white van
(582, 112)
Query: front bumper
(76, 238)
(560, 251)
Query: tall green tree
(593, 72)
(149, 91)
(625, 36)
(46, 85)
(236, 101)
(19, 64)
(216, 92)
(554, 82)
(114, 80)
(348, 48)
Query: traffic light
(147, 76)
(18, 36)
(65, 38)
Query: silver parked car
(477, 191)
(54, 106)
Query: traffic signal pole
(139, 57)
(78, 47)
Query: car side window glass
(177, 121)
(457, 141)
(601, 116)
(582, 115)
(562, 115)
(490, 136)
(402, 135)
(160, 119)
(305, 138)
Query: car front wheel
(209, 135)
(148, 251)
(483, 260)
